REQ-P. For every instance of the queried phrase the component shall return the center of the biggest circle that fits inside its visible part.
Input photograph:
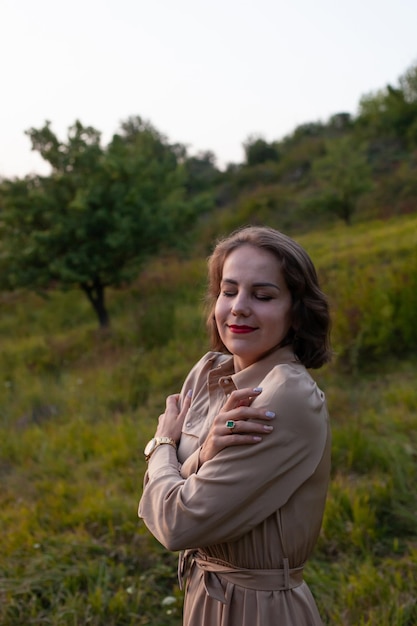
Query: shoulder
(293, 378)
(295, 395)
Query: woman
(242, 482)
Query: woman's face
(253, 309)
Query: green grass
(77, 406)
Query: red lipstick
(241, 330)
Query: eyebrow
(260, 284)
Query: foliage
(392, 111)
(396, 192)
(258, 150)
(371, 278)
(99, 215)
(201, 173)
(343, 175)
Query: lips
(241, 330)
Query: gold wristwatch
(152, 445)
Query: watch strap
(160, 441)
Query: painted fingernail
(189, 393)
(257, 389)
(257, 438)
(267, 427)
(270, 414)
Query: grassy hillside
(77, 407)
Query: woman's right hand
(249, 424)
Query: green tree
(391, 112)
(201, 173)
(408, 84)
(98, 216)
(257, 151)
(342, 176)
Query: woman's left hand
(170, 423)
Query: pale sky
(205, 73)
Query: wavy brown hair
(310, 331)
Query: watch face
(150, 446)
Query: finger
(243, 413)
(186, 403)
(243, 440)
(172, 400)
(171, 405)
(242, 397)
(250, 428)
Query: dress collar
(250, 376)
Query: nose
(240, 306)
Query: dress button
(226, 381)
(188, 424)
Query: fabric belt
(215, 570)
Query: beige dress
(249, 518)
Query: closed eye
(263, 298)
(257, 296)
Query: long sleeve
(242, 485)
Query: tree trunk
(95, 294)
(348, 209)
